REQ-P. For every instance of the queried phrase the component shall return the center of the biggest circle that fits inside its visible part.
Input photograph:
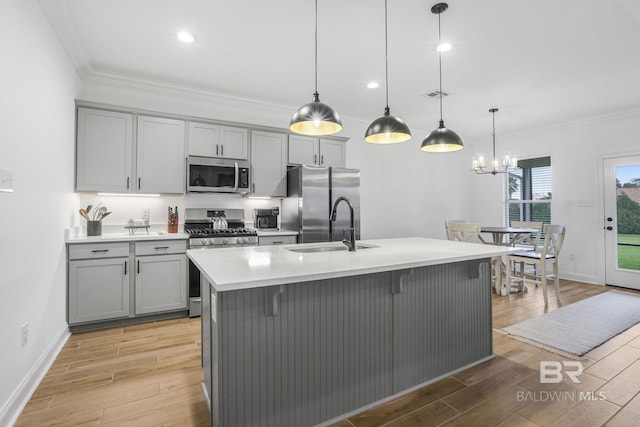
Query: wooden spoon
(83, 213)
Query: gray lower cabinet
(161, 283)
(98, 289)
(99, 282)
(125, 281)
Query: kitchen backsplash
(124, 208)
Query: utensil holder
(94, 228)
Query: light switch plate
(6, 180)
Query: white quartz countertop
(139, 235)
(258, 266)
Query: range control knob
(205, 242)
(225, 241)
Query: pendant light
(441, 139)
(508, 162)
(387, 129)
(316, 118)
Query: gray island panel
(306, 353)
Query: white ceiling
(540, 62)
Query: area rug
(584, 325)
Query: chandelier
(496, 167)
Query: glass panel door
(622, 221)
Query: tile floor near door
(149, 375)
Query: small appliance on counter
(266, 219)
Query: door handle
(609, 228)
(609, 219)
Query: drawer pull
(279, 242)
(100, 251)
(161, 248)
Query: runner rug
(584, 325)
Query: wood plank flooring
(150, 375)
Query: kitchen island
(301, 335)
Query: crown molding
(177, 90)
(61, 20)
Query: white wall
(37, 143)
(576, 152)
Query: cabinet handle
(315, 159)
(322, 159)
(222, 150)
(139, 181)
(125, 268)
(100, 251)
(253, 188)
(216, 149)
(279, 242)
(127, 183)
(161, 248)
(138, 266)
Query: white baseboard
(20, 397)
(585, 278)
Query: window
(529, 191)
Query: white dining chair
(464, 232)
(446, 226)
(548, 254)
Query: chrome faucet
(351, 243)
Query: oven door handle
(237, 171)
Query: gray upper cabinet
(104, 151)
(316, 151)
(160, 155)
(210, 140)
(268, 164)
(110, 159)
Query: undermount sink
(342, 247)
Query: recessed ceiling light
(183, 36)
(372, 85)
(444, 47)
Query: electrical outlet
(6, 180)
(25, 333)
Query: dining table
(515, 235)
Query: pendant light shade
(387, 129)
(315, 118)
(441, 139)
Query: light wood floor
(149, 375)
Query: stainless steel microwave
(213, 175)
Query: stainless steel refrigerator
(311, 192)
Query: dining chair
(529, 241)
(446, 226)
(464, 232)
(470, 232)
(548, 254)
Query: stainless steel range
(201, 226)
(213, 228)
